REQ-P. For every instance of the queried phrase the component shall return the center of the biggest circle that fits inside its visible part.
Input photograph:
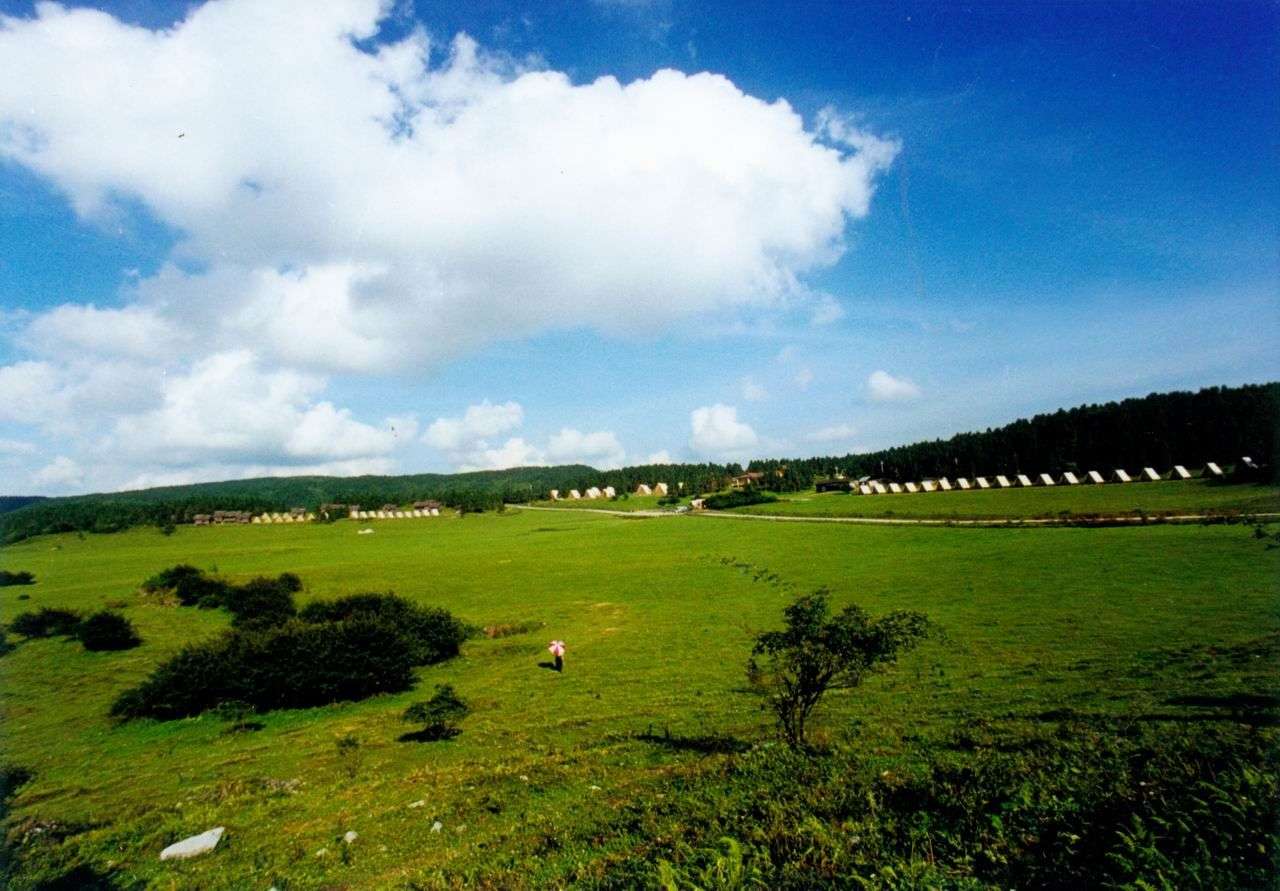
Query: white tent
(1120, 476)
(911, 487)
(593, 492)
(865, 488)
(1045, 479)
(435, 511)
(660, 489)
(1094, 478)
(928, 485)
(1179, 473)
(944, 484)
(698, 503)
(1024, 480)
(1002, 482)
(643, 489)
(1069, 479)
(256, 520)
(1149, 475)
(981, 482)
(610, 492)
(1213, 471)
(575, 494)
(879, 488)
(895, 488)
(962, 483)
(555, 494)
(417, 512)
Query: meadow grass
(1166, 497)
(658, 615)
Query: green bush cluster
(1079, 806)
(23, 577)
(433, 634)
(103, 630)
(738, 498)
(332, 651)
(259, 602)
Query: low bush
(46, 622)
(15, 578)
(106, 630)
(739, 498)
(262, 601)
(294, 665)
(433, 634)
(439, 715)
(167, 579)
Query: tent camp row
(297, 515)
(869, 486)
(607, 492)
(396, 512)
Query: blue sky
(378, 248)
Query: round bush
(106, 630)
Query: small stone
(419, 803)
(351, 836)
(437, 826)
(525, 778)
(193, 846)
(595, 788)
(322, 852)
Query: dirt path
(909, 521)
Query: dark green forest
(1218, 424)
(1215, 424)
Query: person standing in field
(557, 651)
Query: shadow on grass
(429, 735)
(1259, 710)
(550, 666)
(707, 744)
(80, 878)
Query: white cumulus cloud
(717, 433)
(884, 387)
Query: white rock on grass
(351, 836)
(421, 802)
(193, 846)
(437, 826)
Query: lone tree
(817, 652)
(439, 714)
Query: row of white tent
(608, 492)
(1022, 480)
(393, 514)
(283, 518)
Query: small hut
(895, 488)
(962, 483)
(698, 503)
(1179, 473)
(643, 489)
(1024, 480)
(1120, 476)
(911, 487)
(201, 519)
(981, 482)
(660, 489)
(944, 484)
(1094, 478)
(1002, 482)
(1045, 480)
(574, 495)
(1148, 475)
(879, 487)
(1212, 471)
(928, 485)
(865, 489)
(593, 492)
(1068, 479)
(610, 492)
(555, 494)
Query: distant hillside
(13, 502)
(478, 491)
(1215, 424)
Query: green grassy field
(657, 615)
(1154, 499)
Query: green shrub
(167, 579)
(439, 715)
(46, 622)
(739, 498)
(262, 601)
(295, 665)
(15, 578)
(106, 630)
(433, 634)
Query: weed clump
(46, 622)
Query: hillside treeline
(469, 492)
(1215, 424)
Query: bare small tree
(817, 652)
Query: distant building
(831, 485)
(746, 479)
